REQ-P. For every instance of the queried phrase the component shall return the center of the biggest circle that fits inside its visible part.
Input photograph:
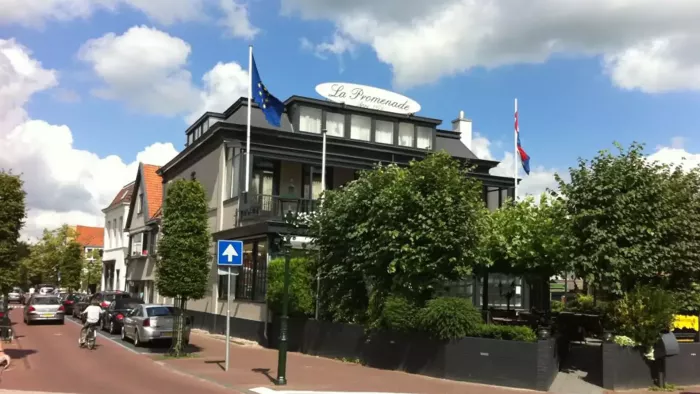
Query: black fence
(528, 365)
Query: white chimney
(464, 128)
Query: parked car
(80, 302)
(69, 302)
(15, 295)
(43, 308)
(45, 289)
(113, 318)
(104, 298)
(151, 322)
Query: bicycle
(89, 338)
(4, 364)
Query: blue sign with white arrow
(229, 253)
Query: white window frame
(310, 119)
(406, 131)
(335, 127)
(380, 134)
(355, 131)
(424, 137)
(137, 251)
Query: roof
(90, 236)
(153, 185)
(123, 197)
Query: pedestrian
(4, 358)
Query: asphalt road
(46, 357)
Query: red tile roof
(123, 197)
(90, 236)
(153, 184)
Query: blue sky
(572, 101)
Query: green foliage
(528, 238)
(301, 296)
(399, 315)
(556, 306)
(624, 341)
(583, 303)
(92, 270)
(644, 313)
(688, 299)
(402, 231)
(633, 220)
(56, 255)
(183, 251)
(182, 268)
(448, 318)
(509, 333)
(12, 214)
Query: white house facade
(116, 241)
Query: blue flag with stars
(270, 105)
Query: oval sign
(367, 97)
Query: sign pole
(228, 318)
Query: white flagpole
(515, 151)
(250, 96)
(323, 162)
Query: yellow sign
(686, 321)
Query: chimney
(463, 126)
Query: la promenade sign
(367, 97)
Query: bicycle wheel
(91, 339)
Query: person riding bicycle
(4, 358)
(93, 312)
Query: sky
(90, 88)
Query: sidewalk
(254, 366)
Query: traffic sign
(229, 253)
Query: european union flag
(270, 105)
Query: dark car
(80, 302)
(104, 299)
(113, 318)
(69, 302)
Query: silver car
(151, 322)
(15, 295)
(43, 308)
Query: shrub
(556, 306)
(301, 296)
(510, 333)
(644, 313)
(398, 315)
(449, 318)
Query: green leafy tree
(56, 258)
(643, 313)
(301, 297)
(183, 252)
(633, 220)
(92, 270)
(398, 230)
(12, 214)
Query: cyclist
(93, 312)
(4, 358)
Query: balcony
(266, 207)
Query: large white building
(116, 241)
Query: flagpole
(515, 152)
(250, 96)
(323, 161)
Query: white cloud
(337, 46)
(646, 44)
(676, 154)
(63, 184)
(236, 19)
(35, 13)
(147, 69)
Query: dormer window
(406, 131)
(310, 120)
(335, 124)
(424, 139)
(360, 127)
(384, 132)
(139, 204)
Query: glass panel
(156, 311)
(384, 132)
(360, 127)
(316, 187)
(235, 173)
(261, 272)
(406, 134)
(244, 288)
(425, 138)
(502, 288)
(335, 124)
(310, 119)
(190, 139)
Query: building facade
(286, 176)
(142, 225)
(116, 240)
(92, 240)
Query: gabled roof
(150, 184)
(90, 236)
(123, 197)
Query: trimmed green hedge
(301, 296)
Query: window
(310, 119)
(335, 124)
(139, 204)
(110, 235)
(118, 285)
(116, 233)
(384, 132)
(406, 134)
(223, 285)
(137, 244)
(425, 138)
(360, 127)
(251, 282)
(120, 232)
(504, 288)
(235, 174)
(190, 139)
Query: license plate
(166, 334)
(47, 315)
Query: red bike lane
(48, 358)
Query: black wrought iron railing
(266, 207)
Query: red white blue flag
(524, 157)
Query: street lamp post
(282, 354)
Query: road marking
(107, 338)
(265, 390)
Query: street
(46, 357)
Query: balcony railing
(265, 207)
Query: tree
(183, 252)
(92, 270)
(56, 258)
(12, 214)
(396, 230)
(633, 220)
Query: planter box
(490, 361)
(626, 368)
(684, 369)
